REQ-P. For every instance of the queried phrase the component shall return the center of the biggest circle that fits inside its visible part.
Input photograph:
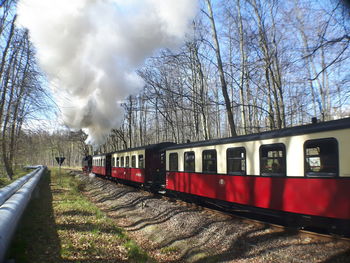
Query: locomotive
(301, 172)
(87, 164)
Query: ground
(76, 218)
(173, 231)
(61, 225)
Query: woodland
(246, 67)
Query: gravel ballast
(177, 232)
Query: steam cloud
(90, 49)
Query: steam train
(301, 172)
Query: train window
(117, 165)
(127, 161)
(321, 157)
(189, 162)
(236, 161)
(273, 160)
(173, 162)
(113, 162)
(122, 161)
(133, 161)
(209, 161)
(141, 166)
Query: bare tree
(221, 71)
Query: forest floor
(61, 225)
(173, 231)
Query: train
(300, 173)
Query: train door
(151, 164)
(155, 166)
(89, 164)
(162, 167)
(159, 171)
(108, 164)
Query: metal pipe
(7, 191)
(12, 209)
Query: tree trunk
(130, 120)
(221, 72)
(243, 67)
(202, 93)
(2, 68)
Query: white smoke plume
(90, 49)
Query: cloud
(90, 49)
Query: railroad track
(235, 214)
(235, 236)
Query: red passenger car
(299, 172)
(141, 166)
(101, 164)
(302, 170)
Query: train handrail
(14, 201)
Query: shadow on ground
(187, 234)
(38, 218)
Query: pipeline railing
(13, 201)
